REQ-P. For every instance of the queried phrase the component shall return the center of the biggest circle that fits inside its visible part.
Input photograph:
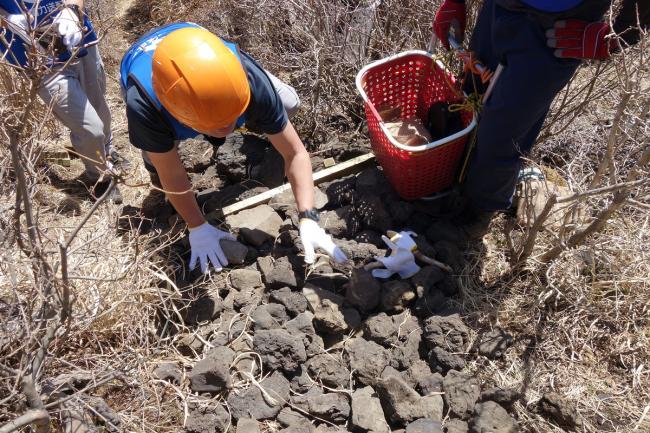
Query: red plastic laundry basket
(412, 81)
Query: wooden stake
(342, 169)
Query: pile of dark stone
(329, 348)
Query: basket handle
(480, 67)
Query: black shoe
(119, 162)
(100, 188)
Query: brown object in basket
(410, 132)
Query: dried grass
(581, 324)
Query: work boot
(100, 188)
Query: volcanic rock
(461, 393)
(367, 413)
(367, 359)
(505, 397)
(203, 309)
(332, 407)
(168, 371)
(424, 425)
(294, 302)
(328, 370)
(420, 377)
(247, 425)
(494, 343)
(252, 404)
(447, 332)
(212, 373)
(279, 349)
(456, 426)
(245, 279)
(203, 419)
(490, 417)
(286, 200)
(329, 314)
(397, 295)
(291, 418)
(562, 412)
(277, 273)
(402, 404)
(363, 290)
(442, 361)
(256, 225)
(234, 251)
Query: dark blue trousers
(514, 114)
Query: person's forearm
(297, 166)
(185, 202)
(176, 184)
(299, 173)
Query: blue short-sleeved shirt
(47, 9)
(149, 130)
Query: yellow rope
(473, 101)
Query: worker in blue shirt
(181, 81)
(76, 91)
(540, 43)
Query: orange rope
(472, 65)
(473, 101)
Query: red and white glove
(452, 13)
(576, 39)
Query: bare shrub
(69, 293)
(611, 171)
(580, 320)
(578, 295)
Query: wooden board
(342, 169)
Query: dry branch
(39, 417)
(608, 160)
(618, 201)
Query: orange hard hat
(199, 80)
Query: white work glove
(403, 240)
(204, 242)
(313, 236)
(17, 20)
(68, 25)
(401, 259)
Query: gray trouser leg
(288, 94)
(78, 100)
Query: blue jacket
(43, 16)
(137, 66)
(552, 5)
